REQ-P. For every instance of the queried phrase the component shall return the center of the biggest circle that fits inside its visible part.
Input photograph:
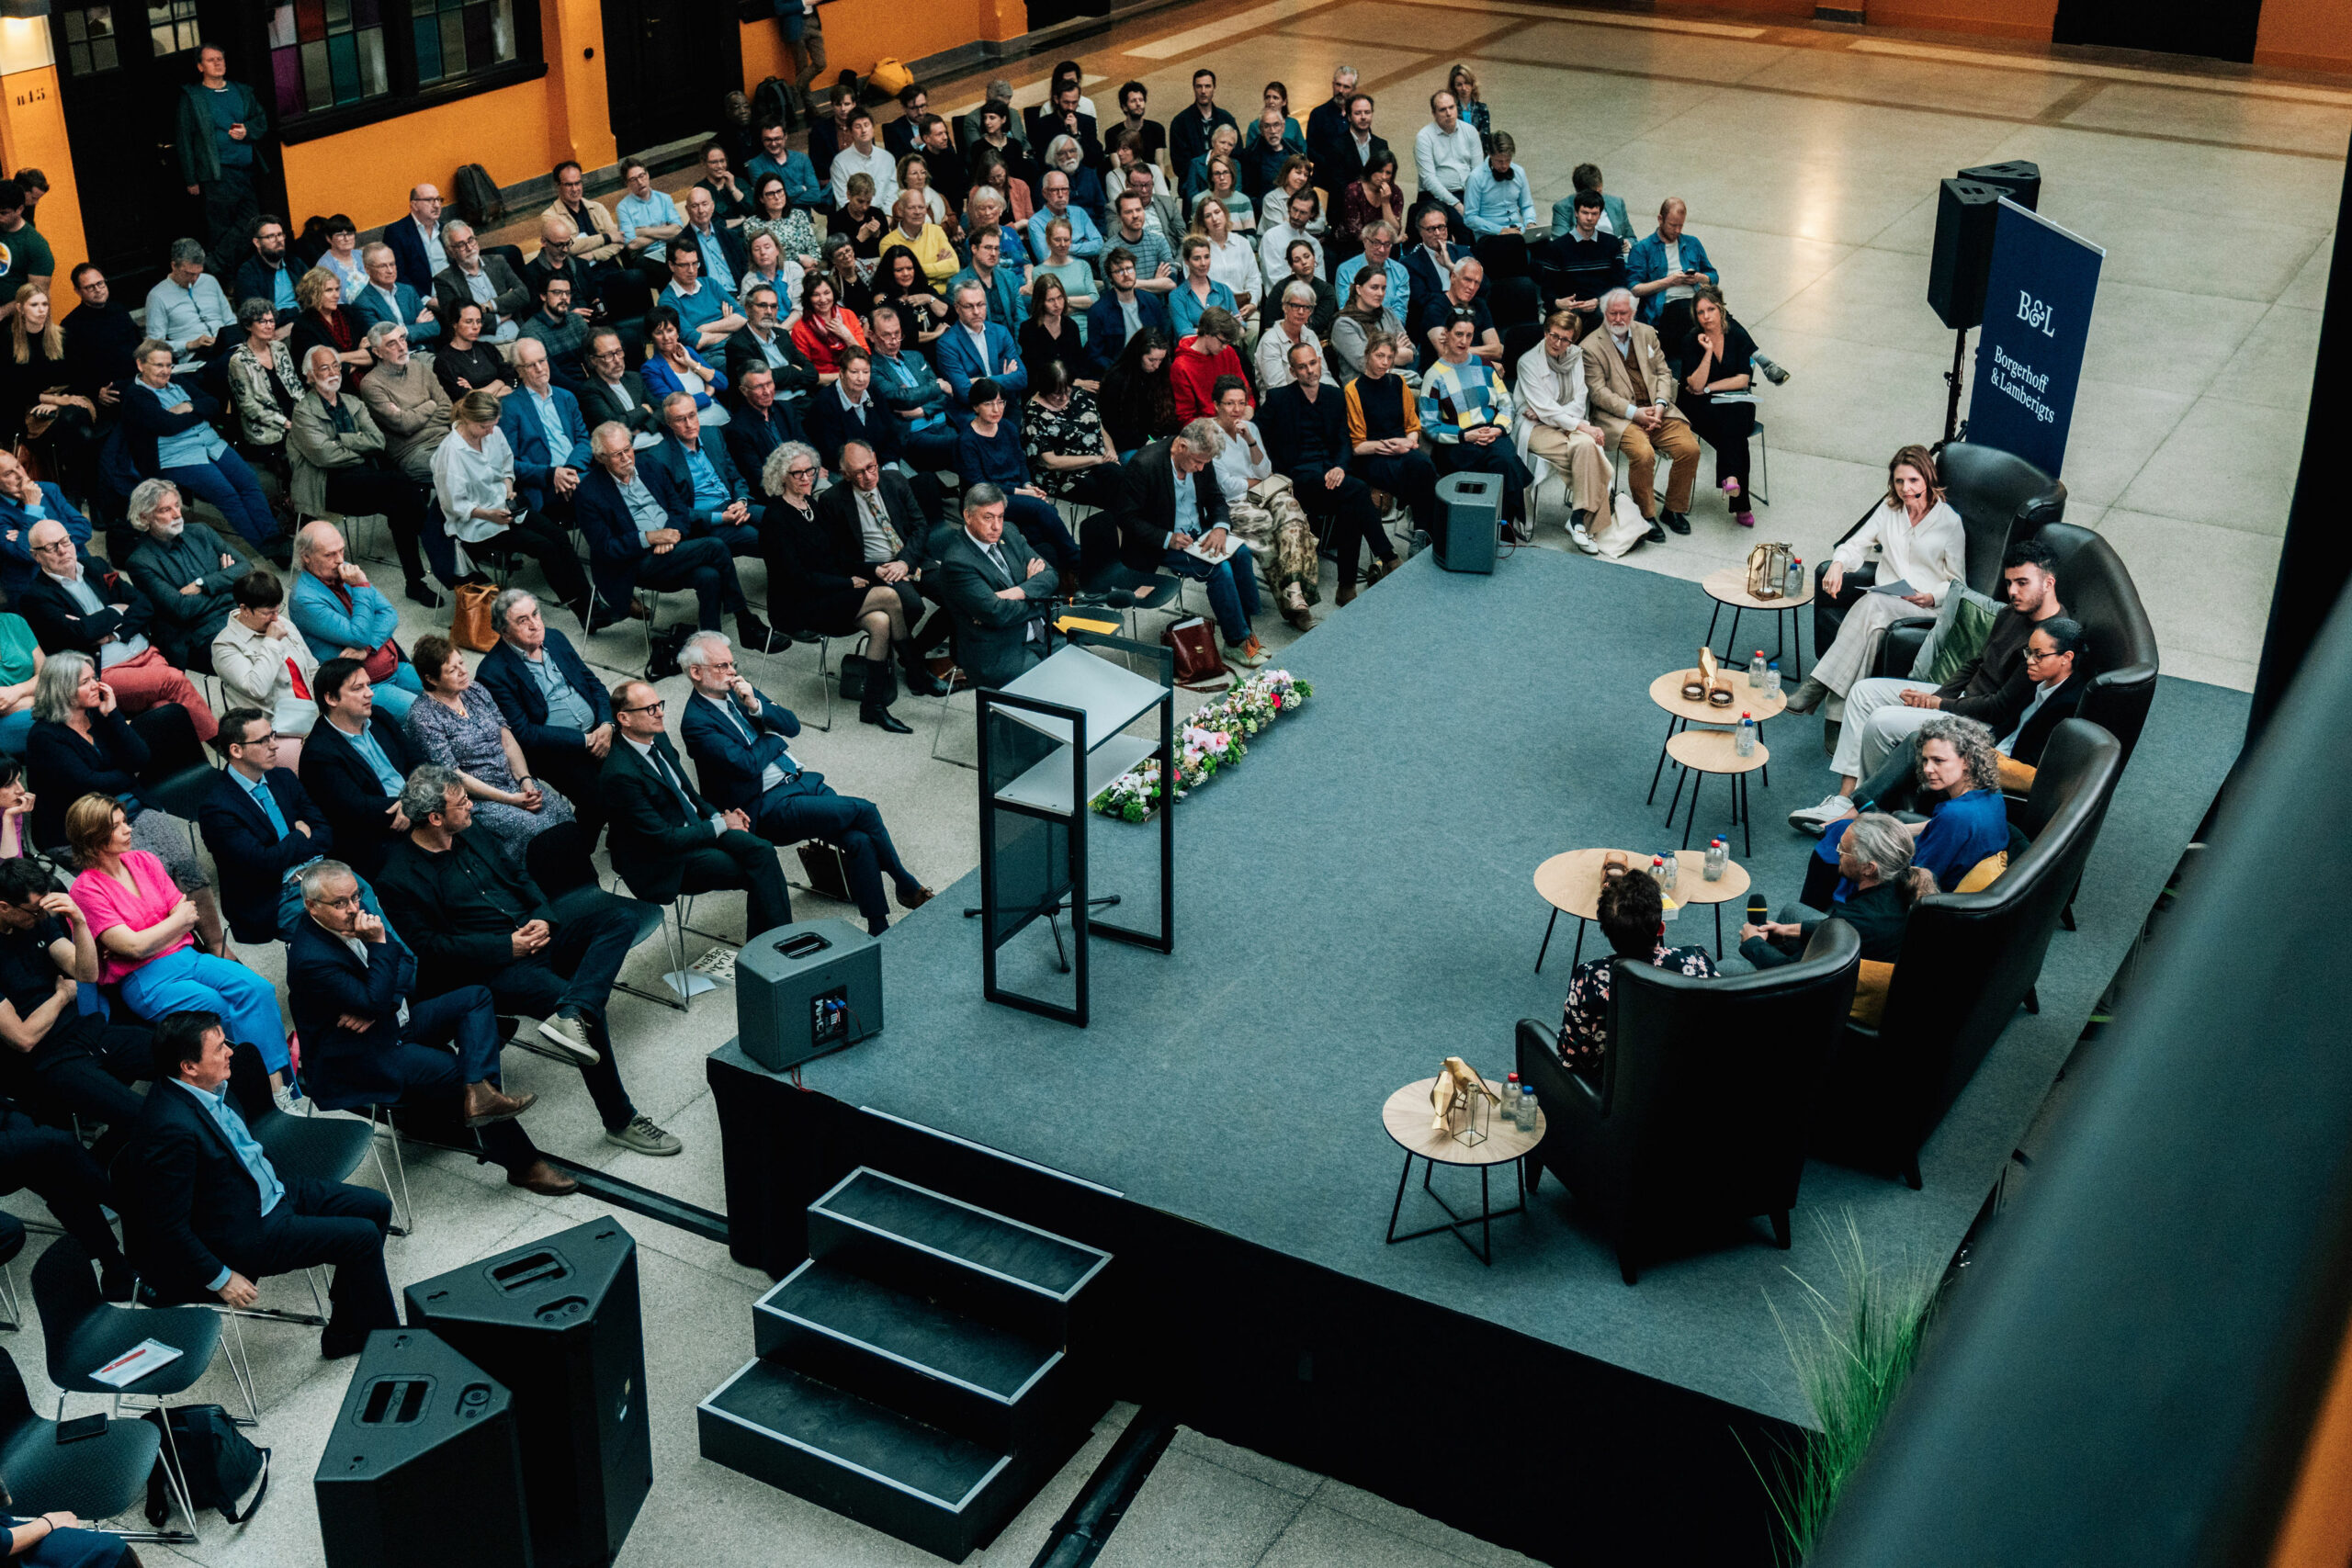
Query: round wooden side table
(1705, 752)
(1570, 883)
(1729, 587)
(1759, 703)
(1408, 1115)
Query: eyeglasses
(272, 739)
(802, 472)
(65, 546)
(348, 901)
(656, 705)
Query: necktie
(1005, 570)
(268, 804)
(662, 771)
(872, 502)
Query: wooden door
(666, 64)
(120, 65)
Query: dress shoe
(1808, 696)
(916, 899)
(420, 592)
(920, 681)
(1656, 536)
(1346, 595)
(486, 1104)
(1676, 521)
(884, 721)
(753, 633)
(543, 1178)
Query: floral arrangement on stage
(1213, 738)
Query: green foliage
(1852, 1361)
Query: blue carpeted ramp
(1354, 903)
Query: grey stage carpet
(1354, 902)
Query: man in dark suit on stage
(368, 1038)
(997, 588)
(215, 1215)
(260, 825)
(354, 765)
(558, 711)
(736, 737)
(665, 838)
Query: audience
(1667, 270)
(666, 839)
(60, 1059)
(1260, 509)
(261, 664)
(642, 530)
(167, 434)
(339, 467)
(265, 383)
(1556, 426)
(1170, 516)
(611, 392)
(217, 1216)
(355, 763)
(1372, 197)
(547, 435)
(1366, 316)
(1379, 241)
(1308, 423)
(25, 504)
(474, 480)
(463, 362)
(1052, 334)
(457, 725)
(1630, 388)
(1070, 455)
(1433, 314)
(1922, 547)
(73, 607)
(264, 274)
(997, 591)
(1138, 392)
(1584, 178)
(390, 299)
(720, 499)
(1465, 414)
(1446, 153)
(1583, 262)
(1714, 361)
(559, 330)
(1123, 310)
(340, 616)
(978, 349)
(1632, 912)
(327, 322)
(703, 307)
(1188, 133)
(186, 572)
(552, 706)
(262, 828)
(647, 218)
(410, 407)
(1384, 433)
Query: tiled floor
(1809, 160)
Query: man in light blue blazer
(387, 299)
(341, 616)
(976, 348)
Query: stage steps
(914, 1372)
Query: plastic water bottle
(1510, 1099)
(1744, 738)
(1772, 680)
(1658, 873)
(1671, 868)
(1796, 588)
(1717, 854)
(1756, 670)
(1523, 1114)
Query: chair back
(65, 1292)
(1517, 340)
(15, 1405)
(1710, 1084)
(249, 1085)
(2097, 589)
(1514, 301)
(1968, 961)
(1996, 494)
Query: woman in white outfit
(1921, 542)
(263, 664)
(473, 472)
(1558, 428)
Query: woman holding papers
(1923, 551)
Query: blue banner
(2038, 301)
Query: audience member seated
(700, 306)
(477, 918)
(216, 1216)
(1384, 433)
(1497, 202)
(457, 725)
(81, 744)
(790, 168)
(371, 1038)
(1884, 711)
(1874, 858)
(355, 763)
(73, 607)
(737, 737)
(1714, 361)
(666, 839)
(637, 520)
(761, 424)
(1435, 314)
(1555, 425)
(647, 221)
(1584, 261)
(1955, 776)
(1632, 912)
(848, 411)
(167, 434)
(558, 327)
(186, 571)
(830, 133)
(1262, 509)
(826, 331)
(919, 237)
(25, 503)
(38, 406)
(421, 242)
(698, 465)
(187, 312)
(474, 481)
(1000, 275)
(564, 323)
(998, 591)
(1366, 316)
(951, 179)
(20, 662)
(340, 467)
(900, 285)
(265, 383)
(1379, 241)
(917, 400)
(1199, 294)
(611, 391)
(858, 223)
(991, 451)
(1171, 516)
(1629, 389)
(341, 618)
(327, 322)
(1223, 145)
(463, 363)
(1446, 153)
(553, 707)
(262, 828)
(1666, 272)
(978, 349)
(1139, 393)
(1287, 334)
(763, 343)
(1921, 545)
(1053, 331)
(870, 535)
(1069, 455)
(1465, 414)
(264, 274)
(409, 405)
(1583, 178)
(261, 664)
(1121, 311)
(1369, 202)
(863, 156)
(547, 435)
(388, 300)
(765, 266)
(144, 924)
(99, 338)
(598, 241)
(1210, 352)
(1297, 226)
(1431, 265)
(485, 281)
(60, 1059)
(718, 242)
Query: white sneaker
(1582, 540)
(571, 1037)
(1814, 818)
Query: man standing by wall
(220, 127)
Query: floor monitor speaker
(1963, 253)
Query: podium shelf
(1111, 697)
(1045, 786)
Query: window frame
(406, 97)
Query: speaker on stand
(1957, 270)
(558, 1321)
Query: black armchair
(1969, 959)
(1707, 1092)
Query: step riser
(888, 1381)
(976, 1292)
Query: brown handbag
(470, 617)
(1199, 665)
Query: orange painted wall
(32, 136)
(2310, 35)
(859, 32)
(2031, 19)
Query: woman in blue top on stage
(1959, 781)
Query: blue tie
(268, 804)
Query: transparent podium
(1050, 742)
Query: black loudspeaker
(558, 1321)
(802, 990)
(2020, 181)
(423, 1430)
(1964, 255)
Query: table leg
(1660, 769)
(1731, 641)
(1747, 823)
(1682, 776)
(1719, 931)
(1712, 619)
(1697, 778)
(1398, 1207)
(1547, 939)
(1579, 957)
(1485, 1219)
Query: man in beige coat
(1630, 387)
(409, 405)
(338, 453)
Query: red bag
(1199, 666)
(383, 663)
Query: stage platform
(1354, 903)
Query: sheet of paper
(1900, 589)
(1198, 551)
(147, 1356)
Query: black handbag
(217, 1464)
(828, 876)
(866, 680)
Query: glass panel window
(337, 59)
(338, 54)
(172, 27)
(89, 40)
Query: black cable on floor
(1078, 1537)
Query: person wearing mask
(221, 129)
(186, 571)
(555, 709)
(263, 664)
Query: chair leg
(824, 658)
(8, 1299)
(241, 1366)
(400, 1163)
(1781, 1229)
(175, 1478)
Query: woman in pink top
(143, 923)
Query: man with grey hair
(997, 588)
(338, 452)
(1630, 389)
(411, 405)
(978, 348)
(738, 738)
(189, 311)
(640, 528)
(476, 918)
(1291, 332)
(185, 570)
(387, 299)
(67, 610)
(488, 281)
(1171, 517)
(1327, 125)
(557, 710)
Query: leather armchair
(1969, 959)
(1707, 1093)
(2098, 591)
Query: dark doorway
(2221, 29)
(667, 63)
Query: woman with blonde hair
(37, 404)
(473, 479)
(1923, 550)
(327, 321)
(1462, 83)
